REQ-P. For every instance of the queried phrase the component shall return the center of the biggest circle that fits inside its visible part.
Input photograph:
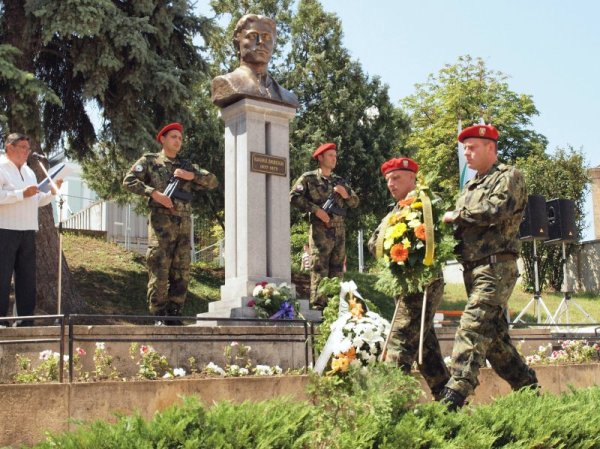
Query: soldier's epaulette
(150, 155)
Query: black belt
(494, 258)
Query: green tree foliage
(467, 91)
(135, 60)
(562, 174)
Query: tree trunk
(47, 247)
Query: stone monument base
(238, 308)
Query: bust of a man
(254, 39)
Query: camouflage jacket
(488, 213)
(153, 172)
(311, 190)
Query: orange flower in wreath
(356, 308)
(342, 361)
(407, 201)
(420, 232)
(398, 253)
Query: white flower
(342, 346)
(262, 370)
(167, 376)
(179, 372)
(244, 371)
(257, 290)
(45, 355)
(100, 345)
(234, 343)
(212, 368)
(277, 370)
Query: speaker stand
(563, 307)
(538, 303)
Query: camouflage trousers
(168, 260)
(483, 331)
(404, 345)
(327, 255)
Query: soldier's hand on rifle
(162, 199)
(341, 191)
(184, 174)
(323, 216)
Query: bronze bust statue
(254, 39)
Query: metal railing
(69, 333)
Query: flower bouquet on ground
(356, 337)
(274, 301)
(413, 243)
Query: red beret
(323, 148)
(169, 127)
(480, 131)
(400, 163)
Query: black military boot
(452, 399)
(173, 310)
(438, 392)
(159, 314)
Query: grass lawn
(113, 281)
(455, 299)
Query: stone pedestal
(257, 207)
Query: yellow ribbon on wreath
(428, 221)
(381, 236)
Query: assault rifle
(330, 205)
(173, 189)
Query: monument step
(239, 309)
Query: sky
(550, 49)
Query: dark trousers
(17, 254)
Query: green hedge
(374, 410)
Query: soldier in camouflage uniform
(400, 174)
(327, 231)
(169, 228)
(486, 219)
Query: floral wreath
(413, 243)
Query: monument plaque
(270, 165)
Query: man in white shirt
(20, 199)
